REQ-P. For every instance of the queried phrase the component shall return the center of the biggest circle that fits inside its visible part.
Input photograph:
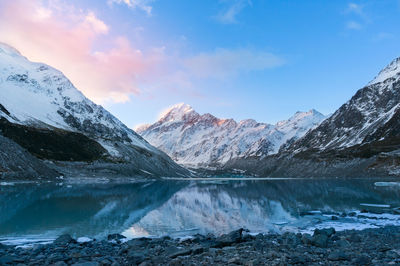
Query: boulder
(229, 239)
(64, 240)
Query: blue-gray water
(40, 212)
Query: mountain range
(48, 128)
(362, 138)
(205, 141)
(57, 130)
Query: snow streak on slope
(38, 95)
(392, 71)
(203, 140)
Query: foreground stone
(325, 247)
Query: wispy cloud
(231, 10)
(223, 63)
(140, 4)
(359, 17)
(355, 8)
(65, 37)
(353, 25)
(383, 36)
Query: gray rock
(362, 260)
(86, 263)
(229, 239)
(183, 252)
(135, 257)
(60, 263)
(343, 243)
(326, 231)
(64, 240)
(320, 240)
(306, 239)
(354, 238)
(117, 237)
(6, 259)
(338, 256)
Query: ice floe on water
(375, 205)
(387, 184)
(84, 239)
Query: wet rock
(64, 240)
(343, 243)
(326, 231)
(183, 252)
(138, 243)
(197, 250)
(135, 257)
(299, 259)
(229, 239)
(6, 259)
(60, 263)
(362, 260)
(116, 237)
(86, 263)
(338, 256)
(306, 239)
(354, 238)
(320, 240)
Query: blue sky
(238, 58)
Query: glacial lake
(39, 212)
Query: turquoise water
(38, 212)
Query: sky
(240, 59)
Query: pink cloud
(64, 37)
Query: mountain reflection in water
(180, 208)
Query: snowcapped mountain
(37, 96)
(204, 140)
(362, 138)
(371, 115)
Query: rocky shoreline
(379, 246)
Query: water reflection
(185, 207)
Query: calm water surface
(31, 213)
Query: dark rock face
(54, 144)
(16, 162)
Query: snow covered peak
(141, 127)
(248, 123)
(178, 112)
(303, 119)
(6, 49)
(206, 141)
(390, 71)
(38, 95)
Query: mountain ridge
(361, 138)
(38, 100)
(199, 141)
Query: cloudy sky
(233, 58)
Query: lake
(39, 212)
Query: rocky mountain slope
(361, 138)
(203, 141)
(43, 112)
